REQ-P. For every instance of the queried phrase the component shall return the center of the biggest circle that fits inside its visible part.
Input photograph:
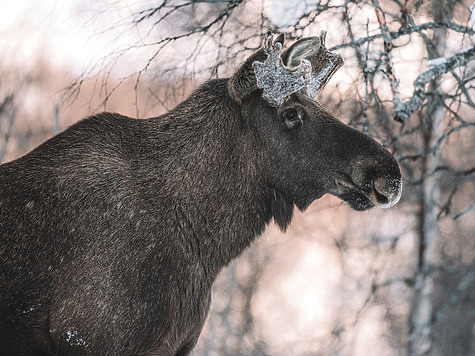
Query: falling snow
(73, 339)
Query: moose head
(306, 151)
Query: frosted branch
(405, 109)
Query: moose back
(113, 232)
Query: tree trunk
(420, 338)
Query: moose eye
(290, 114)
(292, 118)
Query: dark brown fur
(112, 232)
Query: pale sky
(71, 32)
(29, 27)
(67, 32)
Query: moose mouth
(381, 192)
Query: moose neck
(217, 194)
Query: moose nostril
(386, 191)
(380, 198)
(380, 191)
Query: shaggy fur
(113, 231)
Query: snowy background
(338, 282)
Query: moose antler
(324, 66)
(279, 81)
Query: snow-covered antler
(311, 66)
(324, 66)
(277, 80)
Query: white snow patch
(30, 309)
(436, 61)
(471, 21)
(73, 339)
(285, 13)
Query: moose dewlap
(113, 232)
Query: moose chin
(113, 232)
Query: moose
(113, 231)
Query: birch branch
(387, 54)
(405, 109)
(462, 288)
(466, 211)
(407, 31)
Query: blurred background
(338, 282)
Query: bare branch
(464, 212)
(405, 110)
(407, 31)
(387, 55)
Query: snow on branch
(407, 31)
(404, 110)
(387, 54)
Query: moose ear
(306, 48)
(324, 63)
(243, 82)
